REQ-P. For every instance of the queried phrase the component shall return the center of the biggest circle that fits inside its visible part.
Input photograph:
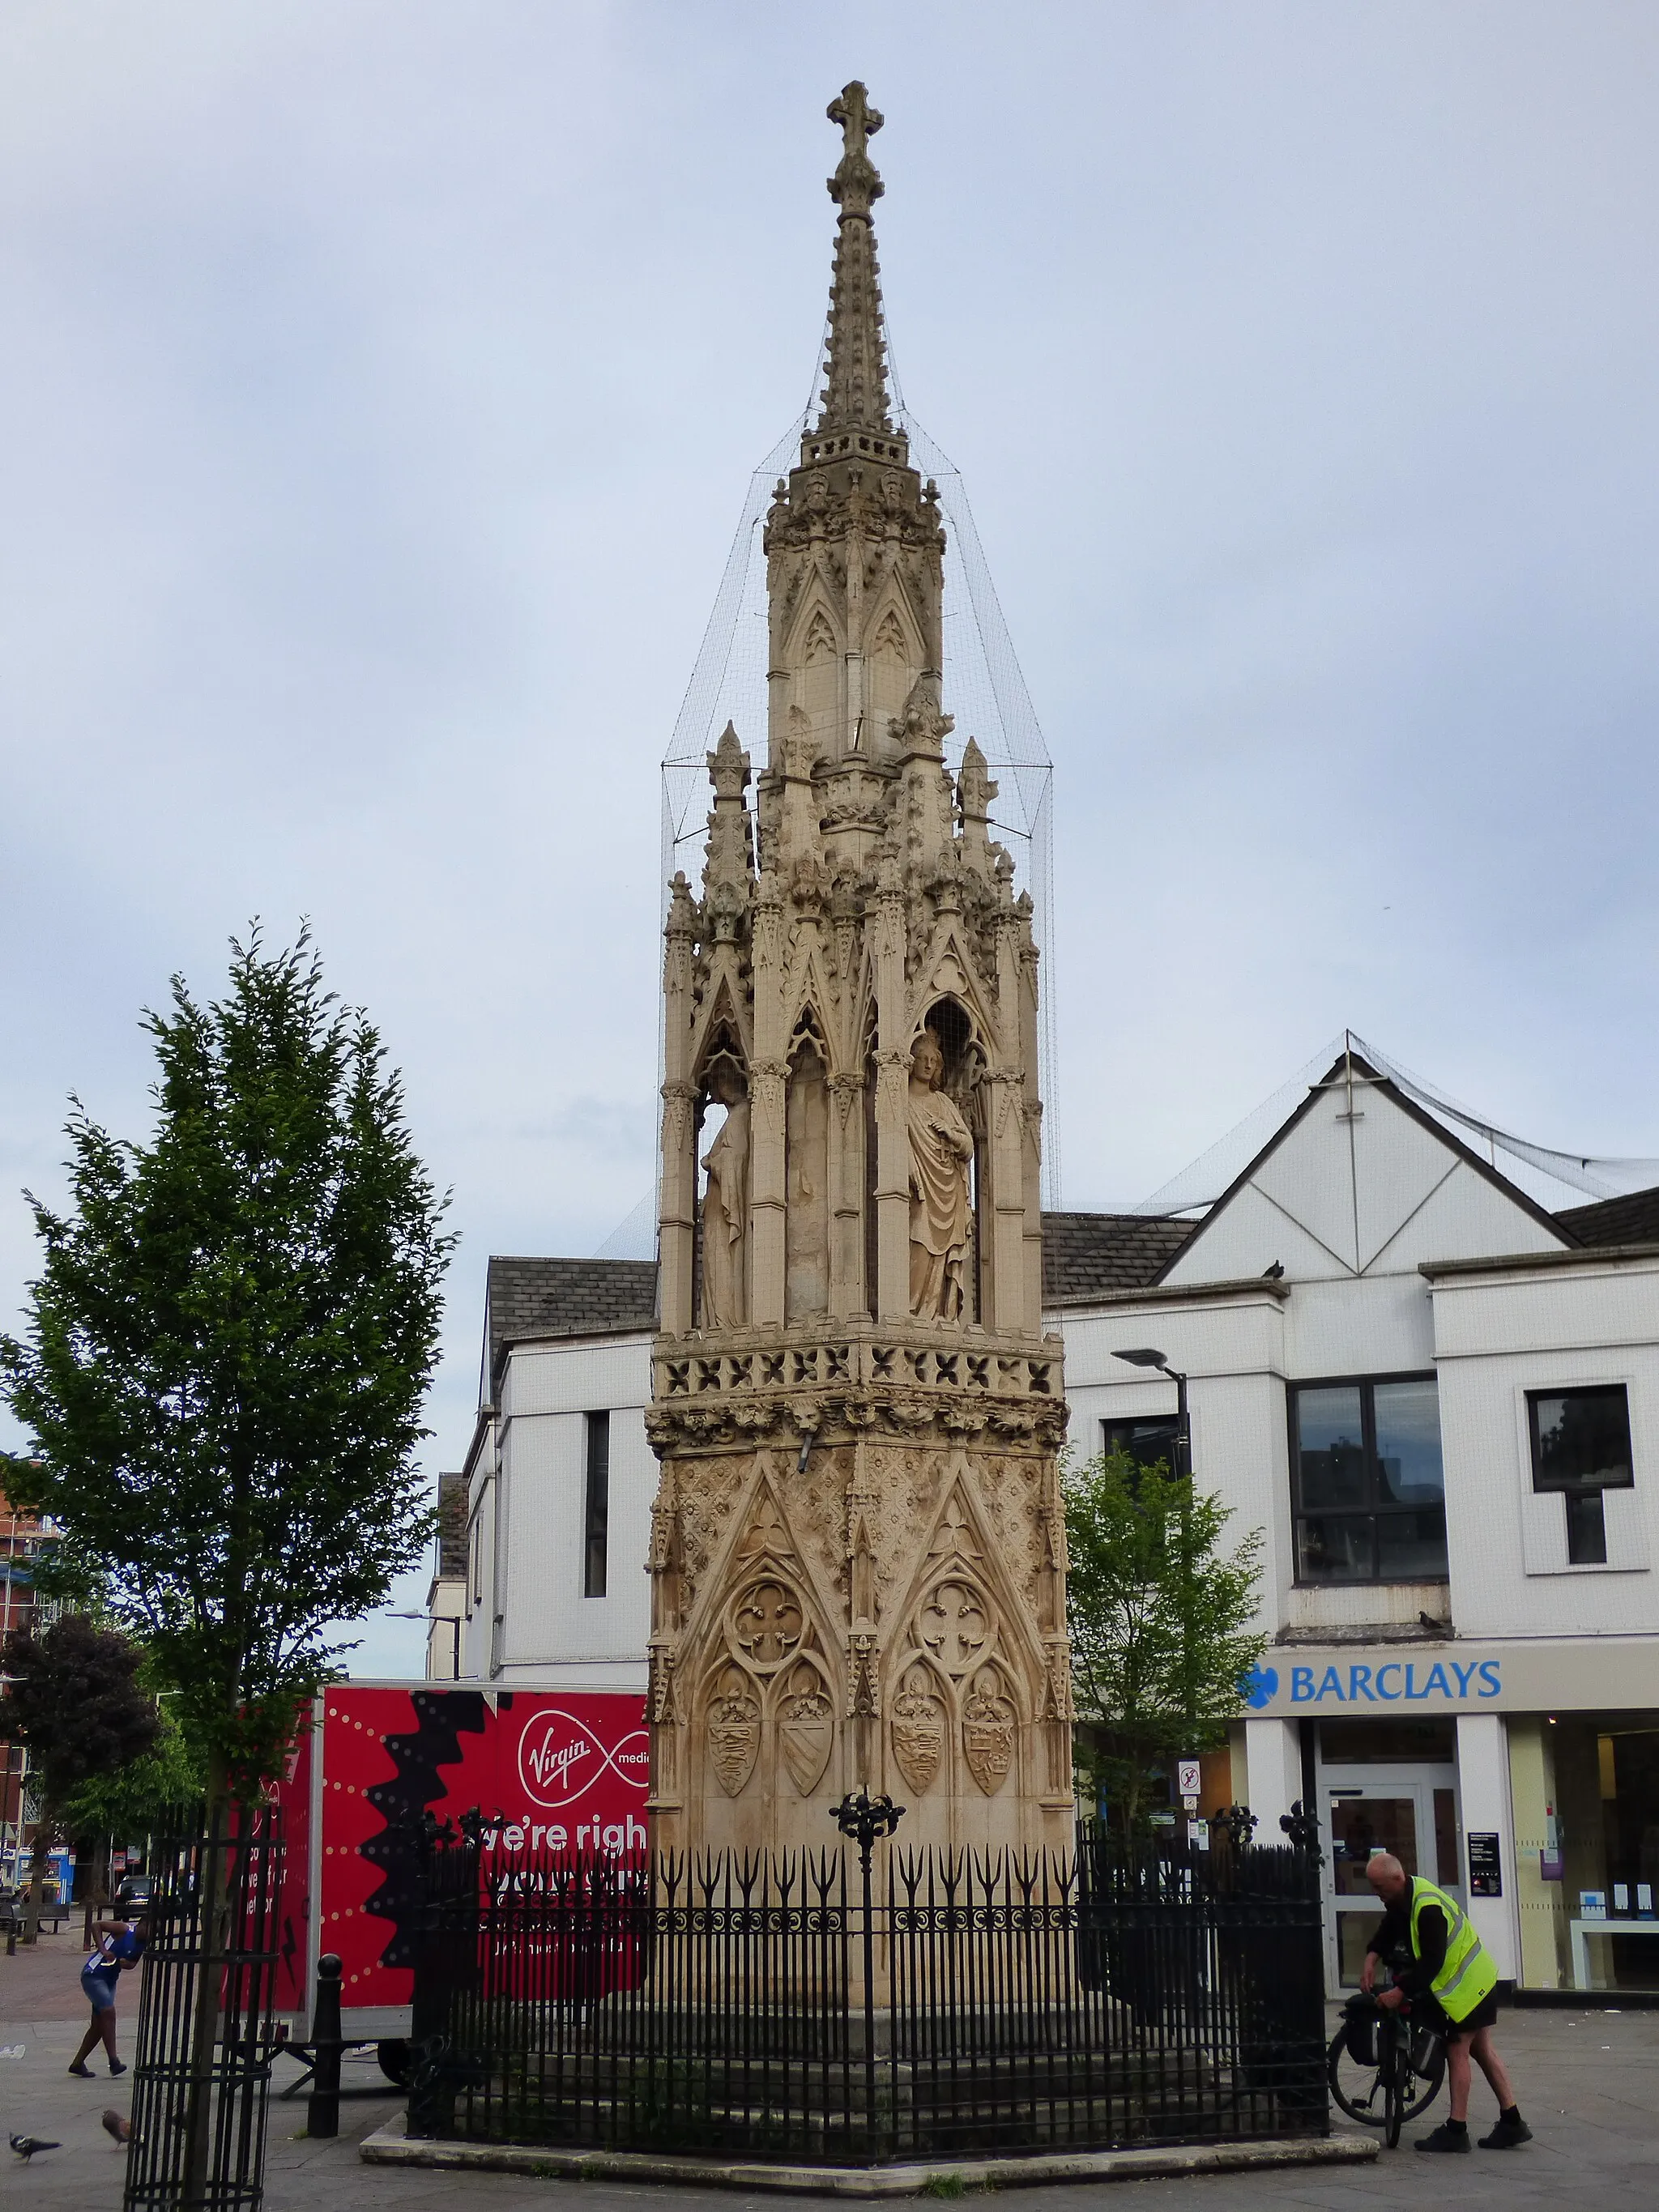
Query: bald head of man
(1386, 1877)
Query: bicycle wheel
(1358, 2089)
(1393, 2067)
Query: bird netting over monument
(983, 688)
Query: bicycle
(1404, 2065)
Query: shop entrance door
(1411, 1811)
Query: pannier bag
(1424, 2039)
(1359, 2029)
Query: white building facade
(1439, 1402)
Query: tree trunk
(213, 1924)
(46, 1832)
(91, 1880)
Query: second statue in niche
(941, 1202)
(725, 1205)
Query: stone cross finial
(855, 184)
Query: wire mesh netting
(1543, 1171)
(983, 689)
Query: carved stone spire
(859, 1578)
(855, 394)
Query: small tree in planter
(1159, 1623)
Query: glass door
(1410, 1812)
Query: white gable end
(1311, 1176)
(1464, 1218)
(1358, 1187)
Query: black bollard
(322, 2113)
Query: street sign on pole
(1186, 1777)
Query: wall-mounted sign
(1541, 1674)
(1486, 1869)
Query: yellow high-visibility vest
(1468, 1973)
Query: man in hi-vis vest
(1453, 1986)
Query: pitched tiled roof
(1085, 1255)
(530, 1298)
(1632, 1219)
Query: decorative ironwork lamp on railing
(1301, 1826)
(1239, 1823)
(862, 1819)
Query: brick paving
(1587, 2083)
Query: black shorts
(1484, 2014)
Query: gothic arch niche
(964, 1085)
(720, 1253)
(961, 1704)
(871, 1241)
(801, 1717)
(818, 684)
(891, 662)
(763, 1715)
(807, 1216)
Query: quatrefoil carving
(767, 1623)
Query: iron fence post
(864, 1818)
(322, 2111)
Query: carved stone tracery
(853, 1553)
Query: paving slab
(1587, 2083)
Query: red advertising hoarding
(553, 1773)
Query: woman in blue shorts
(120, 1944)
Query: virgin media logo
(560, 1758)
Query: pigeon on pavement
(26, 2146)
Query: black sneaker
(1444, 2138)
(116, 2066)
(1506, 2134)
(85, 2072)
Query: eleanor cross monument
(857, 1556)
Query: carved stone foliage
(857, 1381)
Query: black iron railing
(952, 2004)
(201, 2074)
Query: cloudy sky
(380, 386)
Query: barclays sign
(1537, 1675)
(1448, 1682)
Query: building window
(1147, 1441)
(477, 1548)
(596, 1507)
(1580, 1447)
(1365, 1475)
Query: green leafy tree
(72, 1696)
(230, 1342)
(131, 1801)
(1159, 1622)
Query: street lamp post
(1143, 1357)
(454, 1628)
